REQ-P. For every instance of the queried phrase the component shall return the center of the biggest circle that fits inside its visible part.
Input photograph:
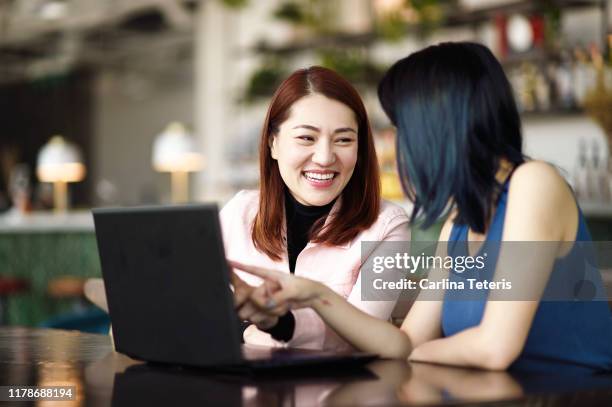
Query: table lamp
(60, 162)
(174, 151)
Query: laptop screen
(167, 284)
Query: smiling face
(316, 149)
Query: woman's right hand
(283, 291)
(246, 298)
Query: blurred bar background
(131, 102)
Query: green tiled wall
(39, 257)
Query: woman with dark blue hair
(460, 154)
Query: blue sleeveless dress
(572, 333)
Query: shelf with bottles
(591, 180)
(548, 77)
(423, 18)
(551, 73)
(564, 84)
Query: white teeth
(319, 177)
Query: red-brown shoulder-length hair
(361, 195)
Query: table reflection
(105, 378)
(438, 384)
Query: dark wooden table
(102, 378)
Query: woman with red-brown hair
(319, 198)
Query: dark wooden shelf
(552, 113)
(335, 40)
(535, 55)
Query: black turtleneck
(300, 219)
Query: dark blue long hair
(456, 118)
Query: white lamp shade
(174, 150)
(60, 161)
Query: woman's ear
(272, 141)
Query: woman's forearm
(361, 330)
(471, 347)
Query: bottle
(580, 180)
(20, 188)
(580, 76)
(528, 92)
(542, 91)
(563, 82)
(601, 186)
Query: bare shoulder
(540, 182)
(534, 171)
(540, 201)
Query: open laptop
(167, 285)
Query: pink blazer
(336, 266)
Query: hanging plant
(291, 12)
(264, 80)
(552, 25)
(394, 19)
(392, 27)
(431, 12)
(353, 64)
(317, 15)
(235, 4)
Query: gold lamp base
(60, 197)
(180, 186)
